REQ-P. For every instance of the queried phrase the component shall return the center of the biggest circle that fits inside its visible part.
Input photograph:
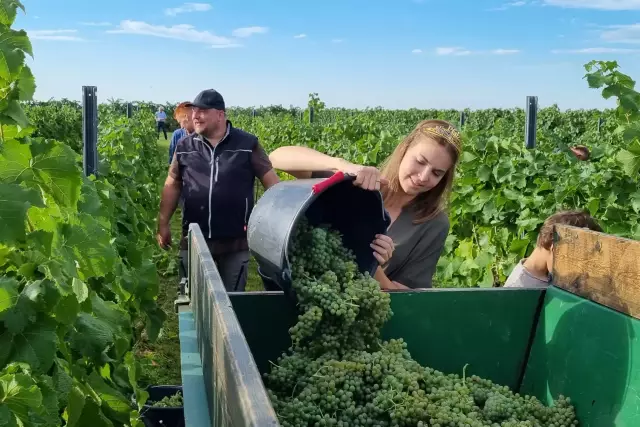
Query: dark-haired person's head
(208, 112)
(574, 218)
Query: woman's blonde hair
(430, 203)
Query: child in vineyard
(535, 270)
(415, 183)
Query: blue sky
(354, 53)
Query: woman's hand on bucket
(383, 248)
(367, 177)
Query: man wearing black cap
(214, 169)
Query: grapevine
(78, 285)
(338, 371)
(173, 401)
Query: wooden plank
(597, 266)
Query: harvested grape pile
(338, 372)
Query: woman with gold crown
(415, 182)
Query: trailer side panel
(589, 353)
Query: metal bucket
(356, 213)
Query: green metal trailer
(578, 338)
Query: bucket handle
(333, 179)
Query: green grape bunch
(339, 372)
(173, 401)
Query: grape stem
(464, 372)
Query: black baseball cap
(208, 99)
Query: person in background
(415, 183)
(214, 170)
(535, 270)
(182, 114)
(161, 118)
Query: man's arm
(169, 203)
(262, 167)
(169, 200)
(172, 146)
(270, 179)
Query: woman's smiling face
(423, 166)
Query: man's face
(207, 120)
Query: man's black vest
(217, 183)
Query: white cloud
(510, 5)
(249, 31)
(55, 35)
(187, 8)
(459, 51)
(416, 51)
(596, 4)
(455, 51)
(337, 41)
(300, 36)
(622, 34)
(225, 46)
(96, 24)
(597, 50)
(505, 51)
(177, 32)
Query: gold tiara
(449, 133)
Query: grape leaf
(26, 84)
(41, 241)
(47, 414)
(91, 336)
(117, 404)
(6, 417)
(21, 394)
(8, 292)
(67, 309)
(15, 162)
(484, 173)
(15, 112)
(62, 383)
(36, 345)
(10, 63)
(80, 289)
(14, 132)
(487, 278)
(630, 159)
(90, 202)
(90, 413)
(8, 11)
(54, 164)
(14, 203)
(16, 40)
(76, 401)
(635, 201)
(89, 245)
